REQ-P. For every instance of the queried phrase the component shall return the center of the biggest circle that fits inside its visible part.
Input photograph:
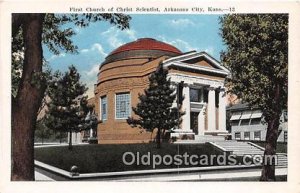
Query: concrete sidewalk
(249, 175)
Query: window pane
(122, 105)
(257, 135)
(195, 95)
(247, 135)
(103, 108)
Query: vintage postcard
(135, 95)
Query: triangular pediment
(201, 61)
(197, 60)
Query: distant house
(248, 124)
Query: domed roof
(146, 44)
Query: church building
(124, 75)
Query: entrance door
(194, 122)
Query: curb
(68, 175)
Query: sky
(186, 32)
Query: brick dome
(146, 44)
(142, 48)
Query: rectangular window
(257, 135)
(122, 105)
(247, 135)
(103, 108)
(196, 95)
(237, 135)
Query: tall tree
(28, 98)
(155, 109)
(66, 107)
(257, 55)
(29, 32)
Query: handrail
(219, 147)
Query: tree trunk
(268, 171)
(158, 145)
(70, 140)
(28, 101)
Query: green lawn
(108, 158)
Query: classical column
(211, 110)
(186, 120)
(222, 110)
(201, 121)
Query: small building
(124, 75)
(249, 124)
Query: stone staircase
(247, 148)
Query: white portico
(202, 79)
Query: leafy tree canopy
(56, 36)
(257, 55)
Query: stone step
(247, 153)
(241, 147)
(250, 149)
(235, 145)
(283, 161)
(244, 148)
